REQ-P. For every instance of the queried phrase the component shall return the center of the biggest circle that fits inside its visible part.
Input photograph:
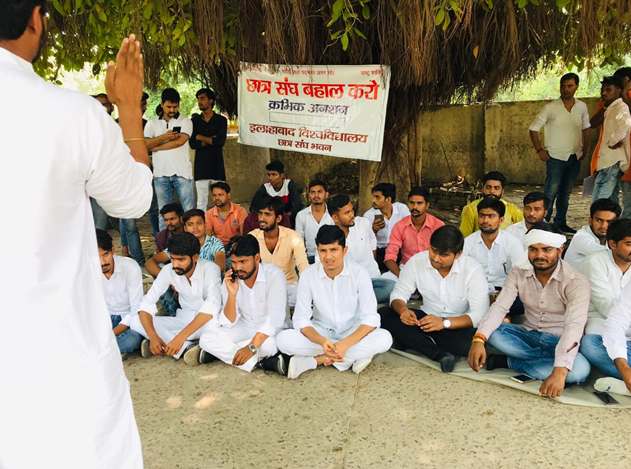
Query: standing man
(566, 124)
(225, 220)
(493, 185)
(384, 214)
(278, 185)
(166, 138)
(85, 418)
(208, 139)
(535, 211)
(314, 217)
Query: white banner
(336, 110)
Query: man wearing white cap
(556, 299)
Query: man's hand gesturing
(124, 79)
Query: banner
(336, 110)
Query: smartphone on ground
(522, 378)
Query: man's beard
(491, 196)
(248, 275)
(180, 271)
(543, 269)
(487, 231)
(269, 228)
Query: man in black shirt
(208, 139)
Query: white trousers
(202, 192)
(292, 293)
(224, 343)
(293, 342)
(168, 327)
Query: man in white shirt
(592, 237)
(335, 320)
(361, 243)
(198, 284)
(85, 418)
(315, 216)
(566, 124)
(254, 297)
(535, 211)
(167, 138)
(496, 250)
(384, 214)
(608, 274)
(455, 299)
(613, 154)
(122, 283)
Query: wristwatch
(446, 323)
(253, 349)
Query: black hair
(275, 204)
(614, 81)
(569, 76)
(170, 94)
(145, 96)
(387, 189)
(183, 244)
(277, 166)
(623, 72)
(194, 212)
(536, 197)
(15, 15)
(317, 182)
(159, 110)
(544, 226)
(224, 186)
(447, 239)
(335, 203)
(494, 176)
(619, 229)
(420, 191)
(101, 95)
(172, 207)
(604, 205)
(246, 245)
(208, 92)
(104, 240)
(330, 234)
(494, 204)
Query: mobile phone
(522, 378)
(379, 217)
(234, 276)
(177, 129)
(606, 398)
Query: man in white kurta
(335, 320)
(73, 411)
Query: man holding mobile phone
(166, 138)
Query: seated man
(254, 298)
(455, 298)
(493, 186)
(211, 248)
(315, 216)
(251, 222)
(198, 283)
(556, 298)
(608, 274)
(411, 235)
(496, 250)
(172, 217)
(278, 185)
(335, 321)
(535, 204)
(360, 242)
(279, 245)
(384, 214)
(225, 219)
(592, 237)
(122, 284)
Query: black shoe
(496, 361)
(277, 363)
(447, 362)
(205, 357)
(566, 229)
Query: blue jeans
(131, 238)
(607, 184)
(153, 215)
(560, 177)
(596, 353)
(165, 186)
(626, 199)
(101, 218)
(382, 287)
(129, 340)
(532, 352)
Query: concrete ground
(393, 415)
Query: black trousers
(430, 344)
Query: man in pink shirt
(411, 235)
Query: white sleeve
(304, 299)
(187, 127)
(406, 284)
(541, 119)
(276, 304)
(134, 290)
(160, 285)
(149, 131)
(367, 300)
(223, 320)
(616, 326)
(515, 251)
(212, 290)
(585, 118)
(372, 238)
(477, 295)
(601, 294)
(300, 225)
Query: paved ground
(391, 416)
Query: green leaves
(347, 12)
